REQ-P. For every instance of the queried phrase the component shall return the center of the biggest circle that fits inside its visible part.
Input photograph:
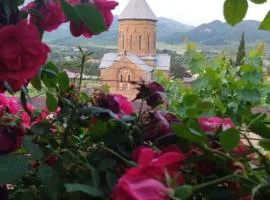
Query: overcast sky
(195, 12)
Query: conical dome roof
(138, 9)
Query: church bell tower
(137, 30)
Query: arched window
(129, 79)
(123, 40)
(148, 42)
(130, 42)
(140, 42)
(121, 78)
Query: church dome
(138, 9)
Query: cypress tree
(241, 51)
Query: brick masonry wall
(130, 32)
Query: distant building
(136, 59)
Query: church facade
(136, 59)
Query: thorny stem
(130, 163)
(214, 182)
(81, 72)
(141, 108)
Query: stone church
(136, 59)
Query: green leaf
(235, 11)
(259, 128)
(70, 11)
(91, 17)
(41, 128)
(51, 101)
(36, 83)
(258, 1)
(192, 113)
(265, 25)
(253, 77)
(20, 2)
(229, 139)
(97, 111)
(220, 105)
(111, 179)
(201, 83)
(50, 179)
(249, 95)
(63, 81)
(106, 164)
(190, 100)
(83, 188)
(265, 144)
(184, 192)
(49, 75)
(26, 195)
(190, 134)
(33, 149)
(51, 68)
(13, 167)
(205, 106)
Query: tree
(241, 51)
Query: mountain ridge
(172, 32)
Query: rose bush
(186, 143)
(51, 12)
(104, 6)
(18, 45)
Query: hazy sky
(195, 12)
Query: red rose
(52, 14)
(155, 87)
(10, 139)
(153, 93)
(147, 180)
(124, 104)
(3, 192)
(21, 54)
(158, 123)
(104, 6)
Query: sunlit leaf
(235, 11)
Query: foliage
(236, 10)
(187, 143)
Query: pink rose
(26, 120)
(9, 104)
(124, 104)
(13, 105)
(21, 54)
(147, 180)
(135, 186)
(211, 124)
(104, 6)
(227, 124)
(3, 99)
(52, 14)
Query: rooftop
(162, 61)
(138, 9)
